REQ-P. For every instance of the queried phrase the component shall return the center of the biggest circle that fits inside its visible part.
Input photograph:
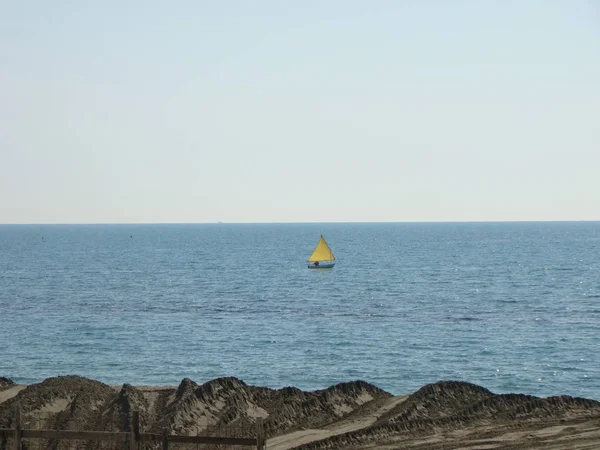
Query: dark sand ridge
(349, 415)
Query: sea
(513, 307)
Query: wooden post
(260, 437)
(165, 439)
(18, 429)
(136, 425)
(134, 435)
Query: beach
(350, 415)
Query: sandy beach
(352, 415)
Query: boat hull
(322, 265)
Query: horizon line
(303, 223)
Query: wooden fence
(133, 438)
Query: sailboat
(322, 257)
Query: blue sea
(514, 307)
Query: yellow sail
(322, 252)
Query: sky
(312, 111)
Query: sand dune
(349, 415)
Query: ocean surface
(514, 307)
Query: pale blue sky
(259, 111)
